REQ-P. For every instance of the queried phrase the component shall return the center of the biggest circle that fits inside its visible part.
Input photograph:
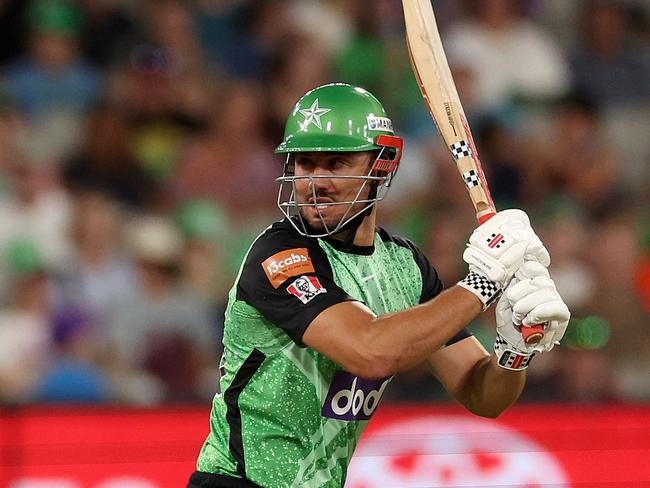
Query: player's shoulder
(280, 251)
(280, 236)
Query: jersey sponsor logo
(306, 288)
(353, 398)
(379, 123)
(285, 264)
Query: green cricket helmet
(338, 118)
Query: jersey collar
(342, 247)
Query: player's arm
(472, 376)
(487, 384)
(375, 347)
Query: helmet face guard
(338, 118)
(378, 179)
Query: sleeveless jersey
(288, 416)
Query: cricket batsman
(327, 307)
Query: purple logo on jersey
(353, 398)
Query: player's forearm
(405, 339)
(490, 389)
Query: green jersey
(288, 415)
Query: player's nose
(321, 180)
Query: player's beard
(324, 218)
(328, 217)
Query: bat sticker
(460, 150)
(471, 179)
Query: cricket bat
(437, 85)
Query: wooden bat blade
(439, 91)
(431, 69)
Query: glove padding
(536, 301)
(497, 248)
(533, 300)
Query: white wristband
(508, 358)
(486, 290)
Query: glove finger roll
(546, 312)
(526, 287)
(531, 269)
(538, 251)
(523, 307)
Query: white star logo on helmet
(313, 115)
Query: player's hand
(495, 251)
(533, 300)
(497, 248)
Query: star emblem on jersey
(313, 115)
(306, 288)
(460, 150)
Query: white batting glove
(536, 301)
(496, 249)
(530, 301)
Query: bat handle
(534, 333)
(484, 217)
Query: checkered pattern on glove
(487, 291)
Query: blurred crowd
(137, 164)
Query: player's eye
(304, 164)
(337, 163)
